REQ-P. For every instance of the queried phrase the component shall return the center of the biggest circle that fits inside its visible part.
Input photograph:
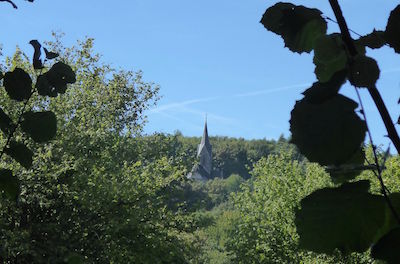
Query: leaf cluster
(326, 129)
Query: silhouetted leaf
(374, 40)
(37, 63)
(329, 133)
(329, 56)
(5, 122)
(1, 75)
(18, 84)
(392, 35)
(50, 55)
(320, 92)
(9, 184)
(20, 153)
(364, 71)
(388, 247)
(347, 218)
(299, 26)
(40, 126)
(44, 87)
(60, 75)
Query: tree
(89, 197)
(265, 231)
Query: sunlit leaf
(6, 123)
(320, 92)
(299, 26)
(37, 62)
(374, 40)
(21, 153)
(388, 247)
(347, 218)
(18, 84)
(329, 56)
(9, 184)
(40, 126)
(329, 133)
(392, 35)
(364, 71)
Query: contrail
(274, 90)
(181, 104)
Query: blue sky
(208, 56)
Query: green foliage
(40, 126)
(297, 25)
(335, 218)
(327, 130)
(265, 231)
(318, 129)
(329, 56)
(97, 192)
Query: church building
(202, 170)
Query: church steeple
(202, 171)
(205, 142)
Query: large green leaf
(6, 123)
(40, 126)
(18, 84)
(329, 56)
(347, 218)
(9, 184)
(299, 26)
(388, 247)
(364, 71)
(21, 153)
(330, 132)
(392, 35)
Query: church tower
(202, 171)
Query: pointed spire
(204, 140)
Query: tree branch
(11, 2)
